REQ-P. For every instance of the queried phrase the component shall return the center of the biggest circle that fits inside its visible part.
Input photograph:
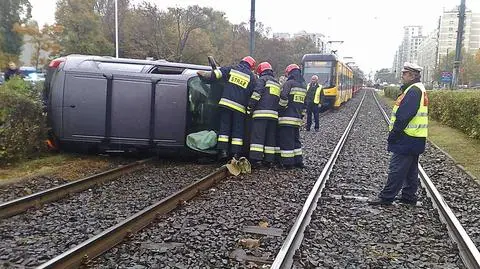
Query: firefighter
(263, 106)
(238, 88)
(292, 108)
(312, 102)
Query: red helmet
(263, 67)
(291, 67)
(250, 61)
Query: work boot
(222, 155)
(407, 202)
(256, 164)
(316, 130)
(268, 164)
(378, 201)
(300, 165)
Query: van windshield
(202, 114)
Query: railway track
(344, 232)
(214, 230)
(33, 238)
(11, 208)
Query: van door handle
(72, 106)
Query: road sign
(446, 77)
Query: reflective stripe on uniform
(256, 96)
(297, 152)
(290, 121)
(237, 141)
(298, 94)
(287, 153)
(265, 114)
(269, 150)
(283, 102)
(231, 104)
(277, 150)
(223, 138)
(256, 147)
(273, 87)
(238, 78)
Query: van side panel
(170, 112)
(84, 106)
(130, 109)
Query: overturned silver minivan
(115, 104)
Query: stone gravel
(39, 183)
(346, 232)
(208, 231)
(36, 236)
(460, 190)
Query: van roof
(136, 61)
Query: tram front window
(322, 69)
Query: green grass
(39, 166)
(63, 165)
(463, 149)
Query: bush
(22, 121)
(392, 92)
(457, 109)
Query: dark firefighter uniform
(292, 106)
(238, 88)
(312, 101)
(406, 140)
(263, 105)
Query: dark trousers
(290, 145)
(402, 175)
(262, 140)
(232, 127)
(312, 108)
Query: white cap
(411, 67)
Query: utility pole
(458, 47)
(252, 28)
(116, 28)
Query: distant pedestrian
(312, 102)
(11, 71)
(406, 140)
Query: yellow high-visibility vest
(418, 125)
(316, 99)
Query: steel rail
(284, 258)
(95, 246)
(20, 205)
(468, 251)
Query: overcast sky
(371, 29)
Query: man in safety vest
(238, 88)
(406, 140)
(292, 107)
(312, 101)
(263, 106)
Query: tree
(106, 10)
(82, 29)
(186, 21)
(11, 12)
(41, 40)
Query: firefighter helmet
(263, 66)
(291, 67)
(250, 61)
